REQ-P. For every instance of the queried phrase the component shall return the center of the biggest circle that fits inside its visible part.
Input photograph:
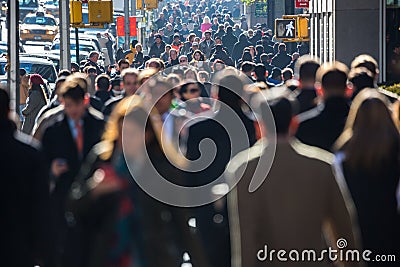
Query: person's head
(183, 60)
(191, 37)
(171, 19)
(333, 79)
(195, 46)
(190, 74)
(229, 30)
(206, 20)
(360, 79)
(116, 83)
(203, 76)
(247, 67)
(103, 83)
(246, 56)
(207, 35)
(259, 49)
(306, 70)
(295, 56)
(64, 73)
(161, 15)
(139, 47)
(370, 138)
(218, 41)
(156, 63)
(227, 17)
(158, 38)
(259, 71)
(279, 102)
(282, 48)
(250, 33)
(36, 80)
(276, 74)
(130, 81)
(94, 56)
(74, 67)
(123, 64)
(190, 90)
(161, 93)
(91, 71)
(173, 54)
(198, 55)
(264, 58)
(177, 38)
(4, 105)
(215, 21)
(368, 62)
(167, 48)
(218, 65)
(73, 93)
(287, 74)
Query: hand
(58, 167)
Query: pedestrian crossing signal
(285, 28)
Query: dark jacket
(281, 60)
(322, 125)
(306, 98)
(25, 204)
(206, 49)
(58, 143)
(99, 69)
(155, 51)
(229, 40)
(99, 99)
(34, 104)
(239, 47)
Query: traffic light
(285, 28)
(100, 11)
(76, 12)
(303, 27)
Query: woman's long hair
(370, 140)
(40, 89)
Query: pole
(13, 54)
(65, 41)
(127, 26)
(77, 45)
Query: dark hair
(361, 78)
(103, 82)
(287, 74)
(333, 76)
(185, 86)
(247, 66)
(122, 61)
(64, 73)
(260, 70)
(74, 88)
(282, 47)
(282, 109)
(306, 68)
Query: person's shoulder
(27, 142)
(312, 152)
(94, 114)
(310, 115)
(113, 100)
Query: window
(40, 21)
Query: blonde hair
(206, 19)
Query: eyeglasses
(183, 60)
(192, 90)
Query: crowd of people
(75, 156)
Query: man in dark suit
(322, 125)
(25, 206)
(66, 144)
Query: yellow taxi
(38, 27)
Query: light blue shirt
(72, 127)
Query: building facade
(342, 29)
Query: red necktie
(79, 137)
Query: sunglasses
(193, 90)
(183, 60)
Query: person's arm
(31, 104)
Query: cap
(195, 44)
(36, 79)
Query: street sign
(285, 28)
(261, 9)
(302, 3)
(121, 26)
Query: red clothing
(205, 27)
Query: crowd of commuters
(74, 156)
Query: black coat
(239, 47)
(322, 125)
(155, 51)
(281, 60)
(229, 40)
(215, 236)
(58, 143)
(25, 220)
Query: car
(82, 55)
(38, 27)
(27, 6)
(82, 37)
(52, 7)
(44, 67)
(4, 47)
